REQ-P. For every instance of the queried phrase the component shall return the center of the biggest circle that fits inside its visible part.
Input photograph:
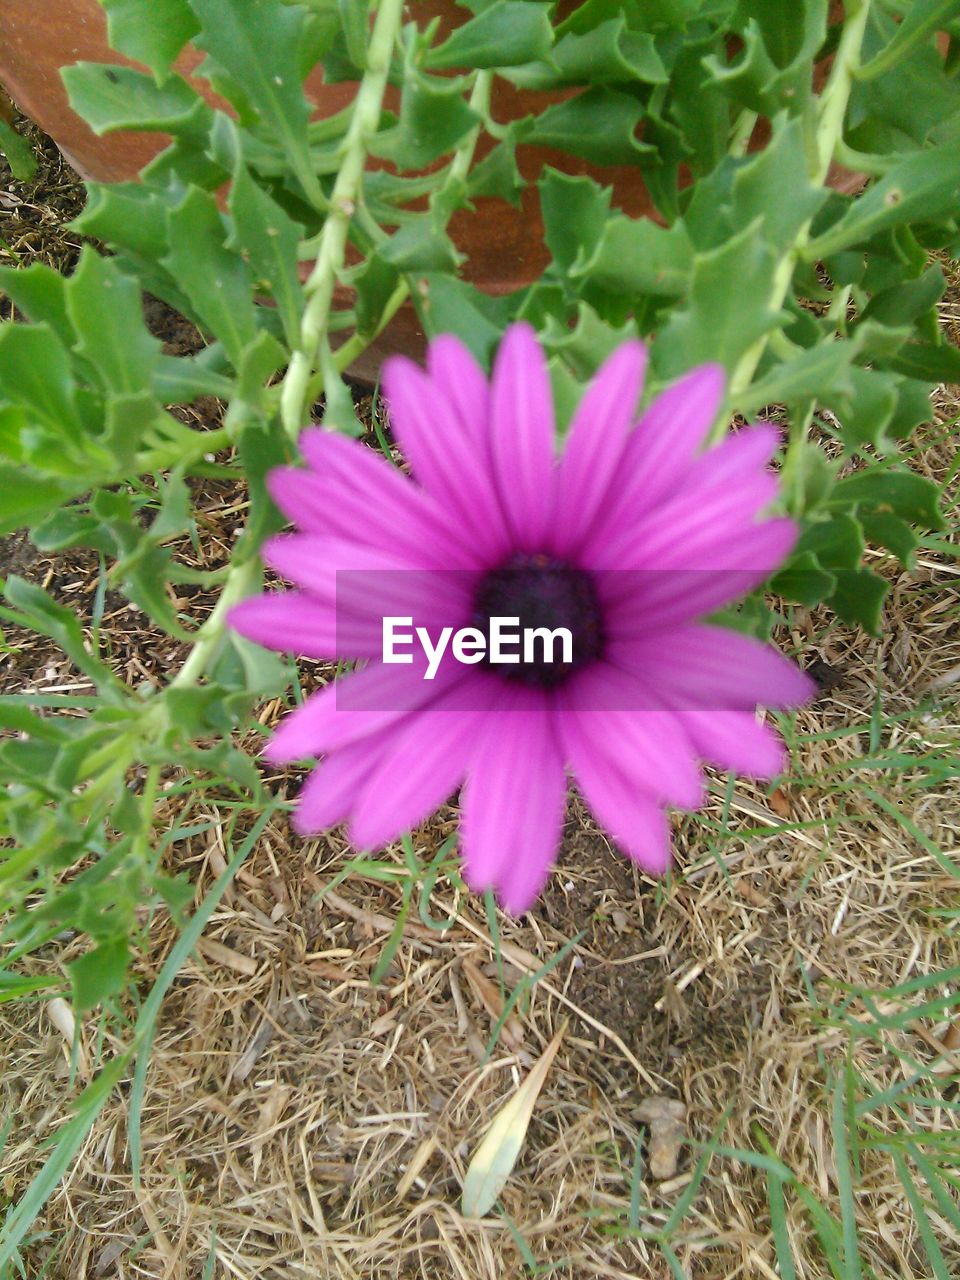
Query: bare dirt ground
(300, 1121)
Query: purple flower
(625, 539)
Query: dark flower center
(544, 594)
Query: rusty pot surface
(503, 246)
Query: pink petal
(370, 583)
(615, 714)
(422, 766)
(713, 668)
(458, 376)
(675, 426)
(661, 451)
(594, 448)
(736, 740)
(522, 431)
(636, 823)
(452, 465)
(290, 622)
(750, 449)
(681, 532)
(655, 600)
(400, 518)
(355, 706)
(328, 794)
(512, 807)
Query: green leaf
(144, 584)
(374, 281)
(896, 491)
(174, 515)
(258, 46)
(249, 668)
(647, 15)
(599, 124)
(433, 119)
(258, 361)
(609, 54)
(585, 346)
(506, 34)
(129, 418)
(863, 412)
(695, 123)
(19, 152)
(906, 302)
(150, 31)
(926, 362)
(913, 407)
(913, 99)
(922, 186)
(420, 246)
(180, 379)
(859, 598)
(216, 280)
(354, 18)
(739, 192)
(816, 373)
(110, 97)
(106, 312)
(810, 476)
(49, 618)
(201, 711)
(804, 580)
(99, 973)
(575, 212)
(125, 215)
(269, 239)
(447, 305)
(498, 175)
(921, 17)
(636, 256)
(772, 72)
(39, 292)
(26, 498)
(728, 307)
(887, 530)
(262, 448)
(837, 542)
(35, 372)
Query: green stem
(178, 455)
(345, 354)
(241, 579)
(480, 103)
(900, 48)
(832, 109)
(333, 238)
(299, 385)
(742, 132)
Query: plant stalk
(333, 238)
(831, 112)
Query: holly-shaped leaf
(728, 307)
(106, 313)
(111, 97)
(895, 491)
(99, 974)
(254, 59)
(269, 239)
(506, 33)
(215, 279)
(150, 31)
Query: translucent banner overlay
(637, 640)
